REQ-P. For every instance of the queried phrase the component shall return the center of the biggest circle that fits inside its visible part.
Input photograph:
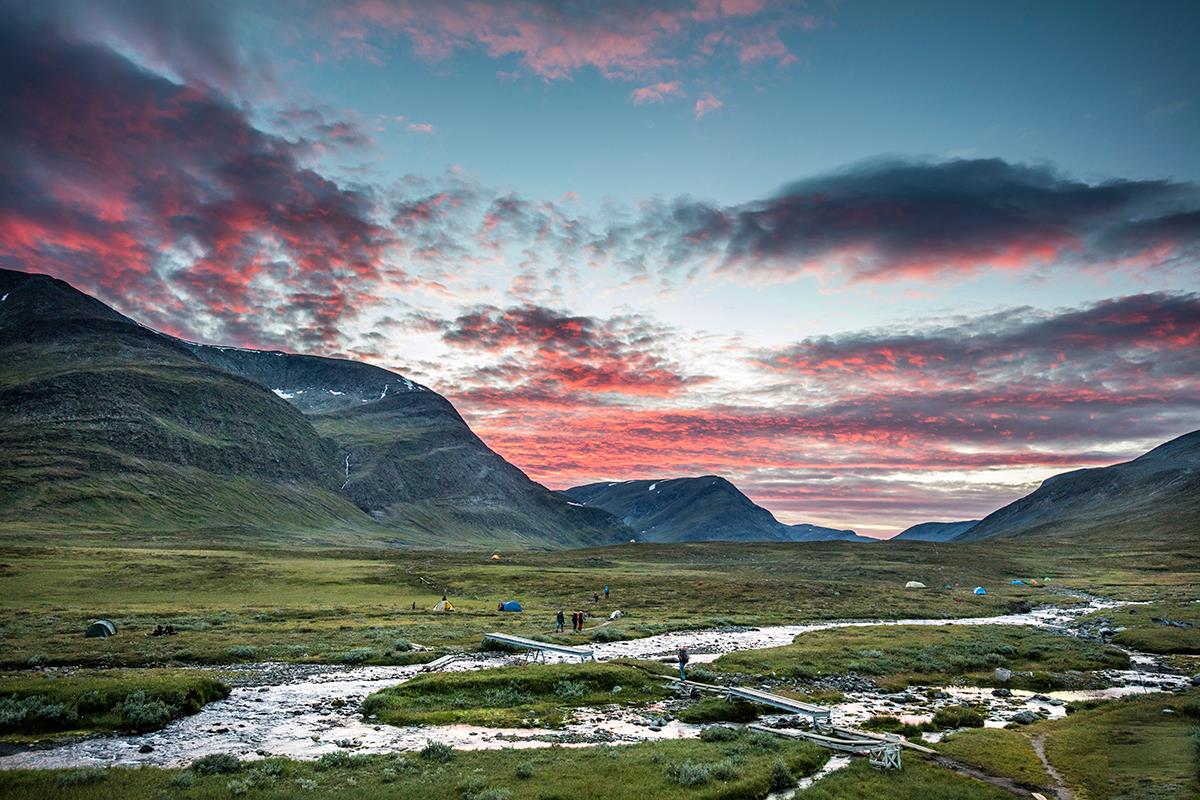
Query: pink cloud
(421, 127)
(707, 103)
(656, 92)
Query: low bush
(437, 751)
(524, 770)
(781, 777)
(81, 777)
(719, 733)
(688, 774)
(957, 717)
(719, 709)
(142, 713)
(217, 764)
(242, 652)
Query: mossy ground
(896, 655)
(535, 695)
(731, 770)
(1143, 632)
(33, 705)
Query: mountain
(1155, 494)
(934, 531)
(108, 425)
(707, 508)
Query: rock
(1054, 701)
(1025, 718)
(146, 749)
(616, 689)
(1001, 674)
(656, 727)
(1001, 692)
(1196, 679)
(1041, 698)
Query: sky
(877, 263)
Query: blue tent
(1018, 583)
(511, 605)
(980, 590)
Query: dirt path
(1061, 791)
(1007, 784)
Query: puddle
(303, 711)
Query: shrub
(358, 655)
(143, 713)
(238, 786)
(609, 635)
(781, 777)
(307, 784)
(335, 760)
(505, 696)
(437, 751)
(719, 733)
(1190, 708)
(957, 717)
(688, 774)
(402, 646)
(80, 777)
(216, 764)
(570, 690)
(183, 780)
(726, 770)
(242, 652)
(525, 770)
(33, 712)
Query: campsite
(760, 615)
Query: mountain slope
(1158, 492)
(107, 425)
(707, 508)
(934, 531)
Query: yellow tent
(497, 557)
(444, 605)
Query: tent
(444, 605)
(914, 585)
(511, 605)
(980, 590)
(1018, 583)
(497, 557)
(101, 629)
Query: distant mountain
(1157, 494)
(934, 531)
(708, 508)
(106, 424)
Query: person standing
(683, 660)
(596, 598)
(606, 591)
(558, 622)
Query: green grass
(719, 709)
(32, 705)
(732, 770)
(999, 751)
(901, 654)
(1127, 749)
(1143, 633)
(535, 695)
(916, 781)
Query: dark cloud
(890, 219)
(164, 199)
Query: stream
(305, 711)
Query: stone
(1001, 692)
(1003, 675)
(1025, 717)
(1041, 698)
(1196, 679)
(146, 749)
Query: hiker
(606, 591)
(500, 606)
(683, 660)
(443, 597)
(596, 597)
(558, 622)
(414, 607)
(158, 631)
(577, 622)
(169, 630)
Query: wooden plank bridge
(540, 648)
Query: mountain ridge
(703, 508)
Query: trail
(1061, 791)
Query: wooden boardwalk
(819, 714)
(540, 648)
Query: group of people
(578, 617)
(160, 630)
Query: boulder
(1003, 675)
(1025, 717)
(1001, 692)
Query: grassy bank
(1118, 748)
(535, 695)
(896, 655)
(745, 766)
(917, 781)
(33, 705)
(1149, 628)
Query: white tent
(914, 585)
(444, 605)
